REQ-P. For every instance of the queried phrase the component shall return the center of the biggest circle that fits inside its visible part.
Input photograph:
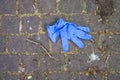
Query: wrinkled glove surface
(68, 31)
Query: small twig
(42, 48)
(107, 59)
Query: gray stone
(71, 6)
(80, 20)
(16, 44)
(60, 76)
(114, 76)
(48, 64)
(30, 24)
(10, 24)
(8, 63)
(6, 76)
(7, 6)
(41, 40)
(115, 62)
(83, 77)
(2, 43)
(78, 62)
(95, 24)
(26, 6)
(50, 20)
(30, 63)
(47, 6)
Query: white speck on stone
(34, 6)
(110, 36)
(93, 57)
(29, 77)
(28, 21)
(38, 38)
(30, 28)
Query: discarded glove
(68, 31)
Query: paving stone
(60, 76)
(57, 47)
(10, 24)
(80, 20)
(30, 24)
(78, 62)
(26, 6)
(70, 6)
(72, 46)
(114, 62)
(48, 64)
(47, 6)
(8, 63)
(5, 76)
(90, 46)
(50, 20)
(7, 7)
(38, 76)
(16, 44)
(83, 77)
(95, 24)
(114, 76)
(114, 42)
(30, 63)
(2, 43)
(105, 9)
(41, 39)
(90, 6)
(111, 43)
(114, 19)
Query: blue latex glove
(68, 31)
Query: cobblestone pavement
(24, 44)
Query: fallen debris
(93, 57)
(42, 48)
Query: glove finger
(82, 35)
(77, 41)
(65, 45)
(86, 29)
(53, 36)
